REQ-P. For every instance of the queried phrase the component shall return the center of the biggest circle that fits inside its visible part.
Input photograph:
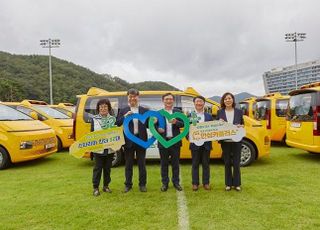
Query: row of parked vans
(33, 129)
(21, 133)
(293, 119)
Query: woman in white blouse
(231, 150)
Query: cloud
(214, 46)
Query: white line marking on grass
(183, 216)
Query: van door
(300, 117)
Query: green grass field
(279, 192)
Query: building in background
(283, 79)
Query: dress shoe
(96, 192)
(178, 187)
(228, 188)
(206, 187)
(127, 189)
(164, 188)
(106, 189)
(238, 188)
(195, 187)
(143, 188)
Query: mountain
(238, 97)
(26, 77)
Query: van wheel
(117, 158)
(248, 153)
(59, 144)
(4, 159)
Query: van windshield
(51, 112)
(262, 109)
(300, 106)
(9, 114)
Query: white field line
(183, 216)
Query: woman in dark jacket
(231, 150)
(103, 159)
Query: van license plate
(295, 124)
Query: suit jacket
(237, 119)
(207, 144)
(175, 130)
(142, 127)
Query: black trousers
(231, 155)
(102, 163)
(200, 155)
(165, 154)
(141, 161)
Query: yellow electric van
(248, 106)
(22, 138)
(271, 110)
(256, 144)
(59, 122)
(303, 118)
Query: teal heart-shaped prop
(174, 140)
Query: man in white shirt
(130, 148)
(171, 130)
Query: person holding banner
(103, 159)
(172, 129)
(200, 152)
(231, 150)
(139, 129)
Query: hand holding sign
(215, 130)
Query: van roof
(94, 91)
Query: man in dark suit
(201, 152)
(171, 130)
(130, 148)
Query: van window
(152, 102)
(91, 106)
(244, 106)
(281, 107)
(187, 105)
(9, 114)
(262, 109)
(51, 112)
(300, 106)
(28, 111)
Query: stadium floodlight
(295, 37)
(50, 43)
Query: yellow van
(256, 144)
(248, 106)
(303, 118)
(271, 110)
(22, 138)
(59, 122)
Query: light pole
(50, 43)
(295, 37)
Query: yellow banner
(111, 138)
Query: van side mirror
(70, 114)
(34, 115)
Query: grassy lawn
(280, 192)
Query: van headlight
(26, 145)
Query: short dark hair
(105, 101)
(224, 96)
(199, 97)
(167, 94)
(133, 91)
